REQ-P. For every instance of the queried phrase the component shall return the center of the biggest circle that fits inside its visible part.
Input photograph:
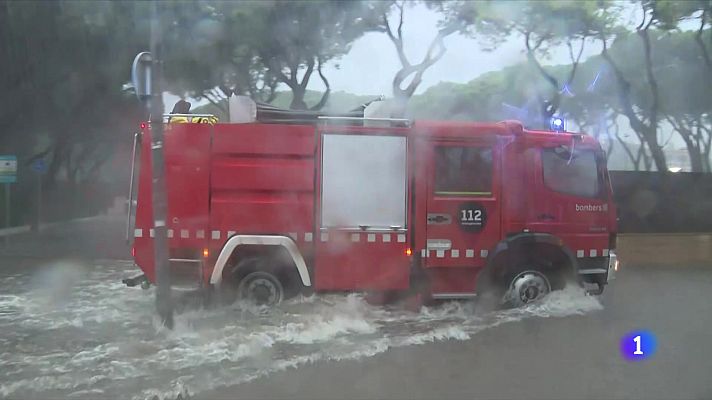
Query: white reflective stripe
(200, 234)
(386, 237)
(440, 253)
(138, 232)
(484, 253)
(422, 253)
(230, 233)
(451, 296)
(469, 253)
(401, 238)
(355, 237)
(455, 253)
(580, 253)
(605, 252)
(169, 233)
(184, 233)
(216, 234)
(151, 232)
(308, 237)
(372, 237)
(593, 253)
(159, 223)
(324, 237)
(293, 235)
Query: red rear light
(143, 125)
(133, 252)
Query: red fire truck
(278, 202)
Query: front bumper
(598, 272)
(613, 265)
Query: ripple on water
(90, 336)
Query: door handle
(546, 216)
(439, 219)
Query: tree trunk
(298, 102)
(657, 153)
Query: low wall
(669, 250)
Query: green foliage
(251, 47)
(68, 64)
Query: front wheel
(527, 287)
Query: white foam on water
(438, 334)
(103, 339)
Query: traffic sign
(39, 166)
(8, 169)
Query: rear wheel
(261, 280)
(261, 288)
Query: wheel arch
(232, 249)
(519, 245)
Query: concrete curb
(17, 230)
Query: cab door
(463, 208)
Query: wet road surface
(73, 330)
(573, 357)
(70, 329)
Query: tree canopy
(66, 65)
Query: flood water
(76, 331)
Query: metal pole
(39, 202)
(7, 212)
(164, 303)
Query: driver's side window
(463, 171)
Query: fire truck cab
(277, 202)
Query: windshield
(576, 174)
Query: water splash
(103, 341)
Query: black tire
(261, 280)
(261, 288)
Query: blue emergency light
(556, 124)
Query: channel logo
(638, 345)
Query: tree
(409, 72)
(62, 89)
(250, 48)
(543, 25)
(208, 54)
(693, 123)
(687, 103)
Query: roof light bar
(557, 124)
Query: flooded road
(72, 329)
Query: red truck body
(378, 208)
